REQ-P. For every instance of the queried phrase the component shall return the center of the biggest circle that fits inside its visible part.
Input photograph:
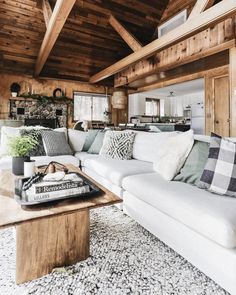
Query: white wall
(174, 106)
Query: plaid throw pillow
(219, 175)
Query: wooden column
(232, 75)
(50, 242)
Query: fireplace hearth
(49, 123)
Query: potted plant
(15, 89)
(20, 148)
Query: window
(173, 23)
(152, 107)
(89, 107)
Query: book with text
(30, 195)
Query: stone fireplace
(22, 109)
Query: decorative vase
(18, 165)
(14, 94)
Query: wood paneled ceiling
(87, 42)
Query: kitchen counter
(170, 126)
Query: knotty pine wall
(43, 86)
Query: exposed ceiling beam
(59, 16)
(129, 39)
(47, 11)
(200, 6)
(218, 12)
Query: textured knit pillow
(55, 143)
(118, 145)
(97, 143)
(219, 175)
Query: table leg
(50, 242)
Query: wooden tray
(18, 193)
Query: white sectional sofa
(197, 224)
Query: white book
(32, 196)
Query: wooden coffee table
(49, 236)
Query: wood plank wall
(44, 86)
(205, 43)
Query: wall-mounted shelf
(55, 100)
(22, 98)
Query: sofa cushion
(211, 215)
(76, 139)
(97, 143)
(115, 170)
(147, 145)
(6, 133)
(6, 162)
(118, 145)
(219, 174)
(175, 151)
(90, 136)
(195, 163)
(82, 156)
(55, 143)
(36, 133)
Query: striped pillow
(55, 143)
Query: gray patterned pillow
(118, 145)
(55, 143)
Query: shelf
(22, 99)
(56, 101)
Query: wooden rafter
(199, 7)
(59, 16)
(47, 11)
(133, 43)
(213, 15)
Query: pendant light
(119, 99)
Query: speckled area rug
(125, 259)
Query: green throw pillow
(91, 135)
(195, 163)
(97, 144)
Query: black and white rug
(125, 259)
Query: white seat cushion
(6, 162)
(115, 170)
(211, 215)
(82, 156)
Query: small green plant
(15, 87)
(21, 146)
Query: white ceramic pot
(14, 94)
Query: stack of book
(46, 190)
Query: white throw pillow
(7, 133)
(76, 139)
(148, 145)
(175, 151)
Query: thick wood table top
(12, 214)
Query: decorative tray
(20, 198)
